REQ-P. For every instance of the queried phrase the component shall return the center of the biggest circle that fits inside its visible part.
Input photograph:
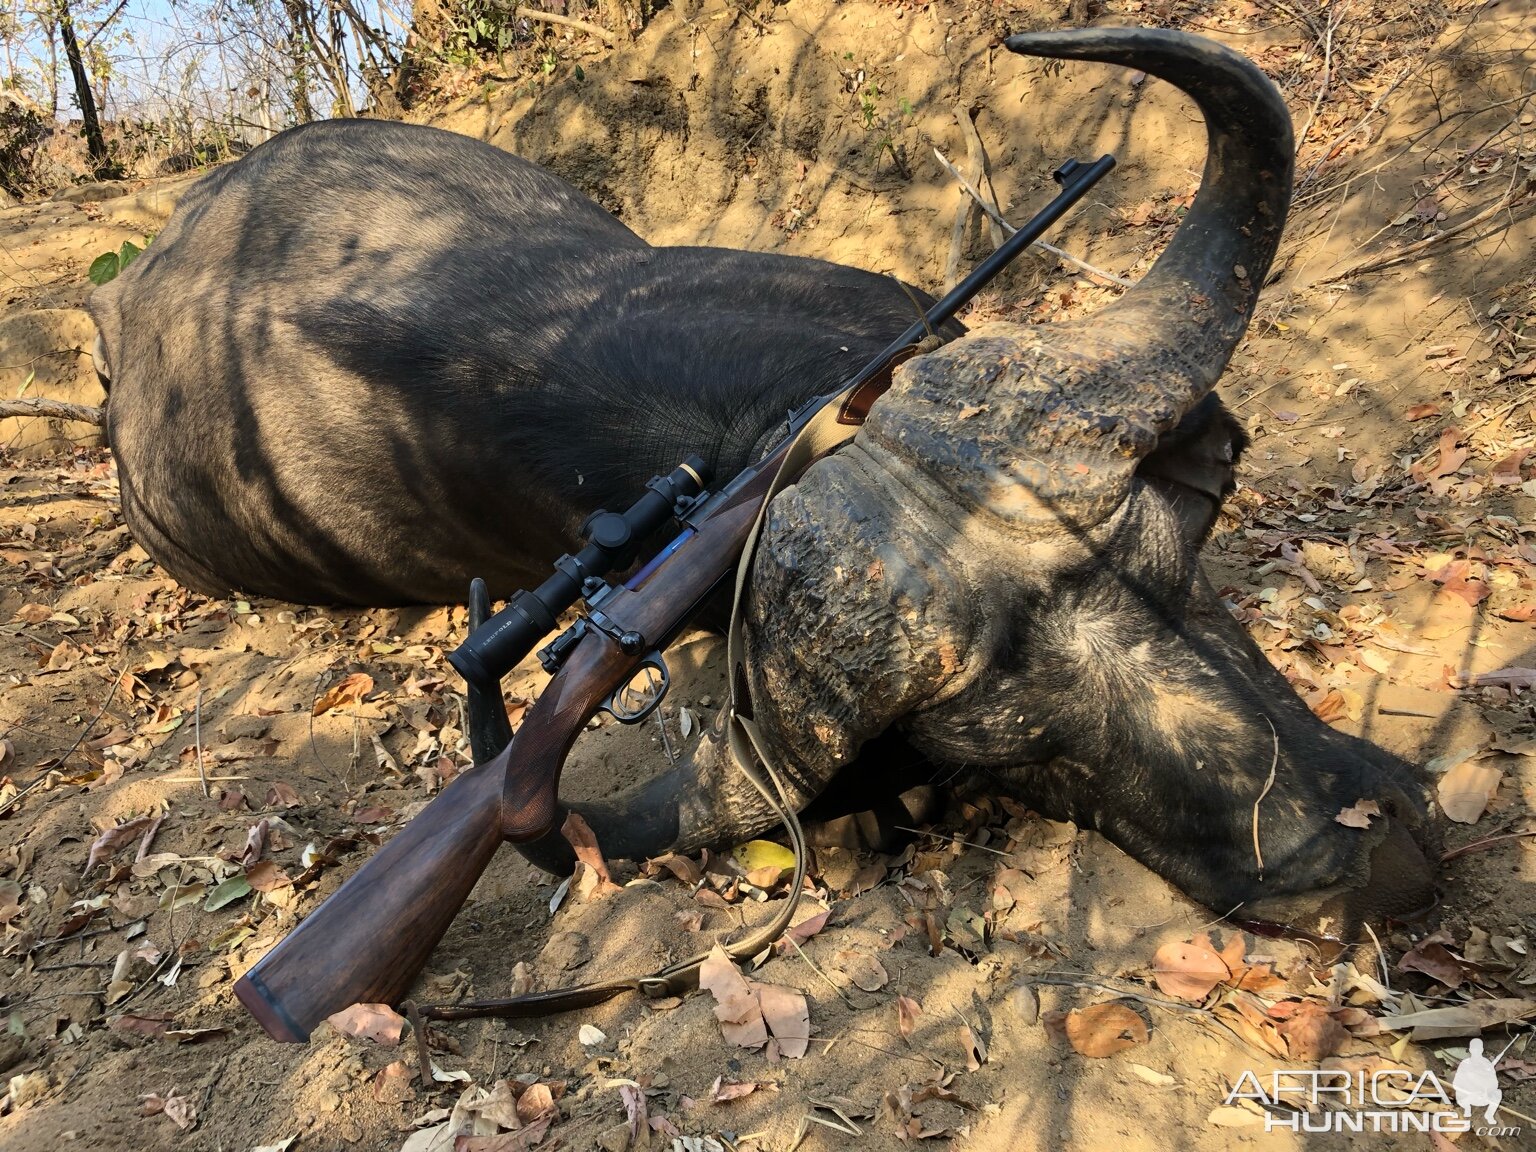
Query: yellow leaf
(755, 854)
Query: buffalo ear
(1194, 467)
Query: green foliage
(487, 32)
(868, 98)
(480, 28)
(106, 267)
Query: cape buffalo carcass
(370, 361)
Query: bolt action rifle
(368, 941)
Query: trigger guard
(653, 660)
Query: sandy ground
(1382, 549)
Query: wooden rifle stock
(370, 939)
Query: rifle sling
(825, 432)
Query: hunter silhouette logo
(1476, 1081)
(1385, 1100)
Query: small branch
(977, 164)
(1268, 784)
(993, 214)
(102, 27)
(973, 142)
(602, 34)
(56, 409)
(1419, 246)
(197, 742)
(952, 840)
(666, 742)
(1338, 141)
(1480, 845)
(1334, 16)
(79, 740)
(1100, 986)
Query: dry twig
(1010, 229)
(197, 742)
(1268, 784)
(54, 409)
(1410, 251)
(602, 34)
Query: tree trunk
(299, 79)
(421, 55)
(94, 141)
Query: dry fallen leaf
(1104, 1029)
(536, 1102)
(974, 1047)
(1431, 957)
(680, 866)
(1312, 1033)
(1188, 971)
(179, 1109)
(720, 1092)
(748, 1010)
(377, 1022)
(1452, 457)
(801, 932)
(266, 876)
(522, 1140)
(788, 1017)
(140, 1025)
(1465, 790)
(11, 895)
(863, 969)
(1359, 814)
(907, 1012)
(114, 840)
(636, 1111)
(1248, 1021)
(584, 843)
(1467, 1019)
(347, 690)
(736, 1006)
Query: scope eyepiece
(613, 541)
(504, 639)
